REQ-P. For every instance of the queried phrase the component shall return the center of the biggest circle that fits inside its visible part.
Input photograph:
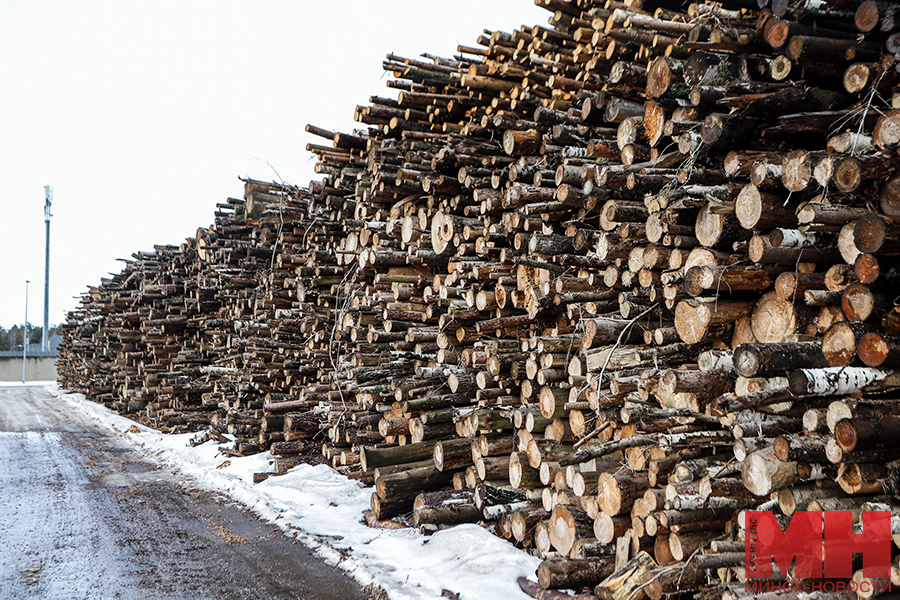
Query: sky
(143, 115)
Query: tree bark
(626, 583)
(695, 318)
(863, 433)
(567, 524)
(762, 473)
(574, 573)
(538, 593)
(833, 381)
(764, 360)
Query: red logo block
(821, 543)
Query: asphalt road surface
(83, 515)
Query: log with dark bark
(574, 573)
(538, 593)
(760, 360)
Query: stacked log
(601, 285)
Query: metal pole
(25, 334)
(45, 335)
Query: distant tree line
(11, 339)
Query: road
(84, 515)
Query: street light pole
(25, 335)
(45, 335)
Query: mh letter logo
(822, 543)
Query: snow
(323, 509)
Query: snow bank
(323, 509)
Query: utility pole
(45, 336)
(25, 334)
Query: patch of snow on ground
(323, 509)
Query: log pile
(601, 285)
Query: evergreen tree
(11, 339)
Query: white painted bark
(833, 381)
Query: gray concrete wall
(41, 368)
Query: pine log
(862, 433)
(538, 593)
(567, 524)
(445, 508)
(877, 350)
(573, 573)
(763, 473)
(627, 583)
(763, 360)
(840, 342)
(617, 494)
(695, 318)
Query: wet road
(83, 515)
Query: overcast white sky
(142, 115)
